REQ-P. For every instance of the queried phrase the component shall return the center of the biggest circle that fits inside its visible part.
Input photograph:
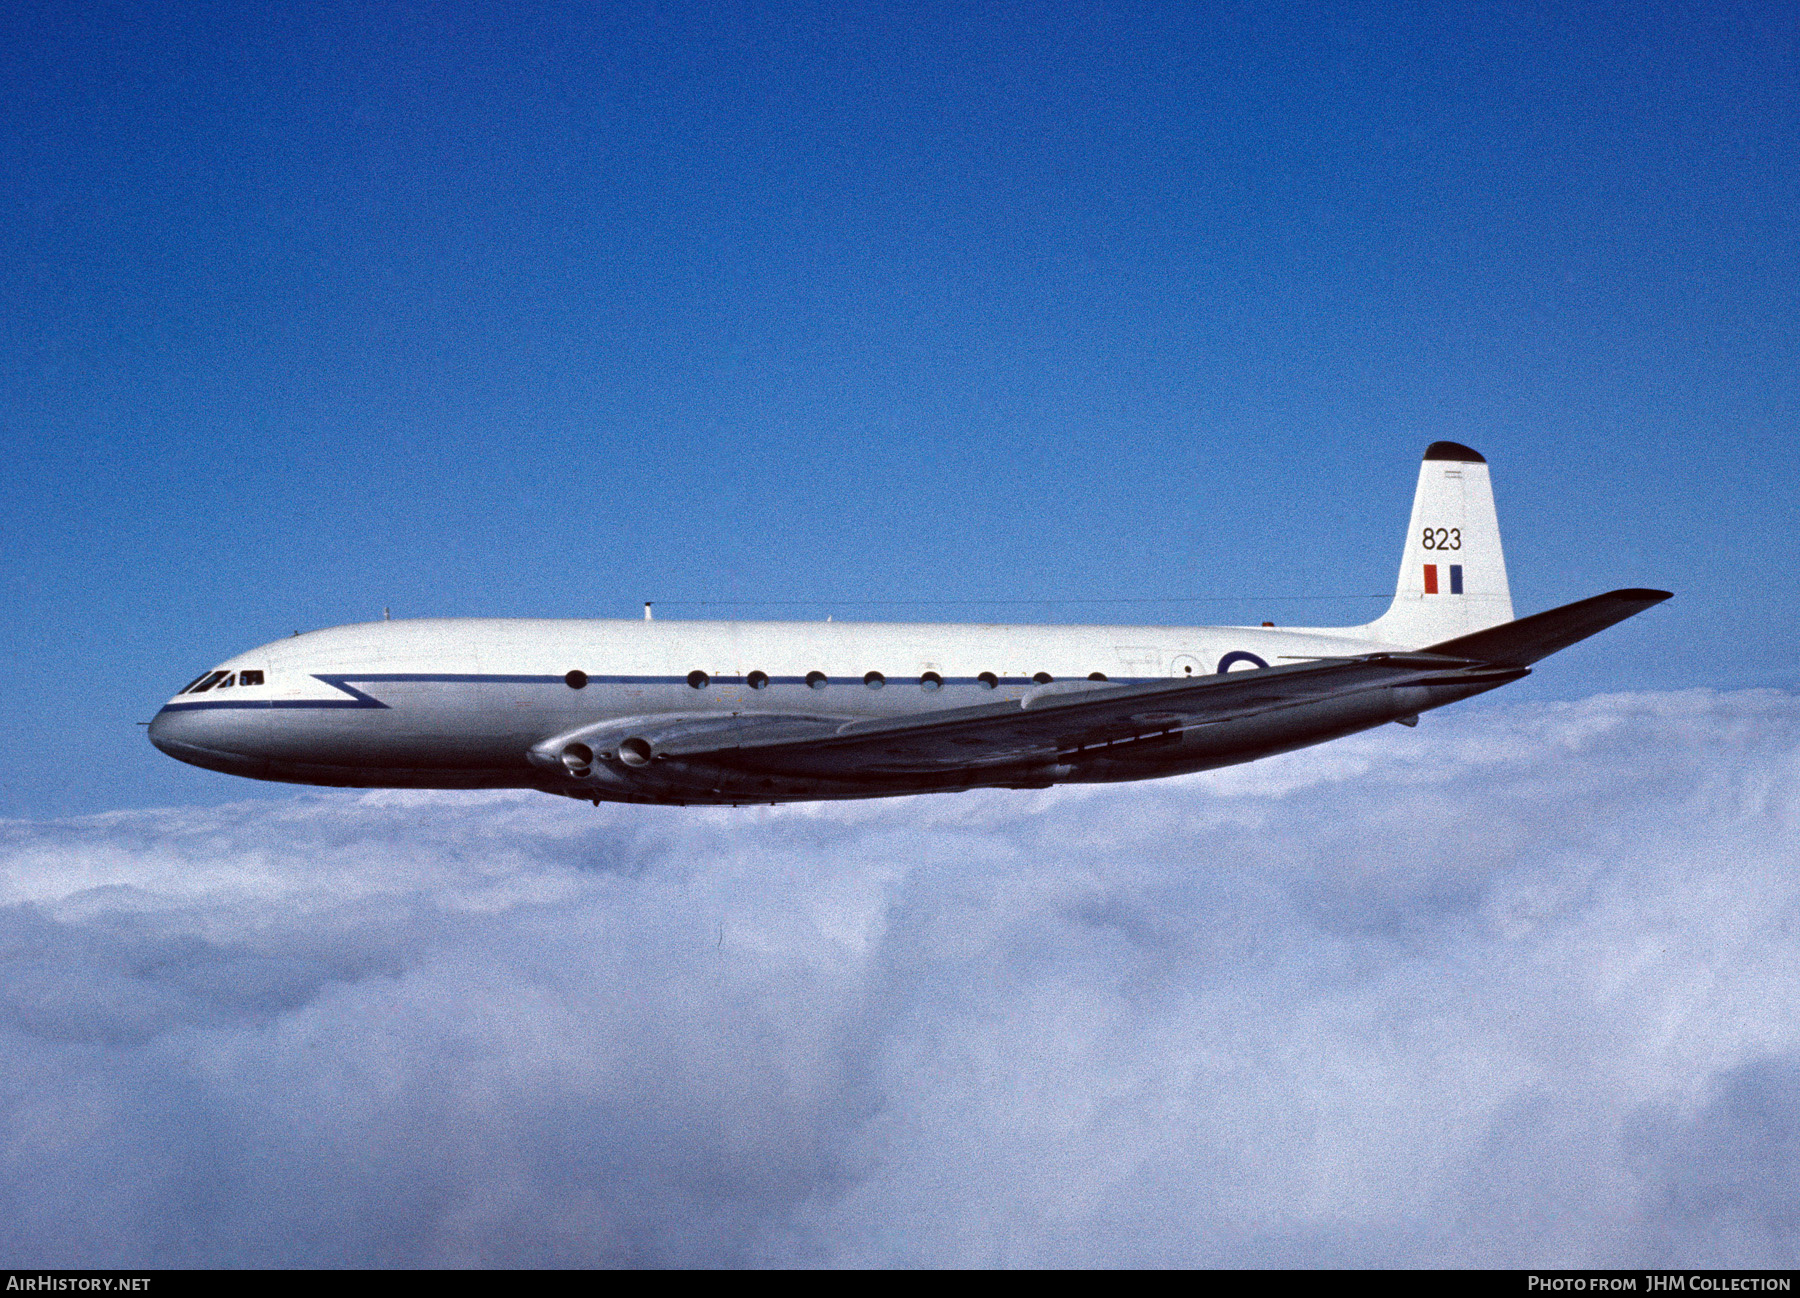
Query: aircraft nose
(210, 738)
(159, 731)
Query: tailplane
(1521, 643)
(1452, 573)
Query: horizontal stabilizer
(1517, 644)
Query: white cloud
(1513, 988)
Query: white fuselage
(682, 712)
(461, 703)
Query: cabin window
(757, 680)
(816, 680)
(250, 678)
(1043, 678)
(697, 680)
(576, 680)
(931, 681)
(874, 680)
(987, 680)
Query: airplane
(736, 713)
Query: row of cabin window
(819, 680)
(219, 681)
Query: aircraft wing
(1047, 726)
(1083, 719)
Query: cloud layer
(1515, 988)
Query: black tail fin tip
(1520, 643)
(1453, 451)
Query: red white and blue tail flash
(1431, 578)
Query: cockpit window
(250, 678)
(226, 683)
(207, 682)
(190, 685)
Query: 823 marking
(1443, 538)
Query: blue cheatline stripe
(1456, 579)
(358, 699)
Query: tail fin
(1452, 574)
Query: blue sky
(309, 312)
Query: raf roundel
(1237, 656)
